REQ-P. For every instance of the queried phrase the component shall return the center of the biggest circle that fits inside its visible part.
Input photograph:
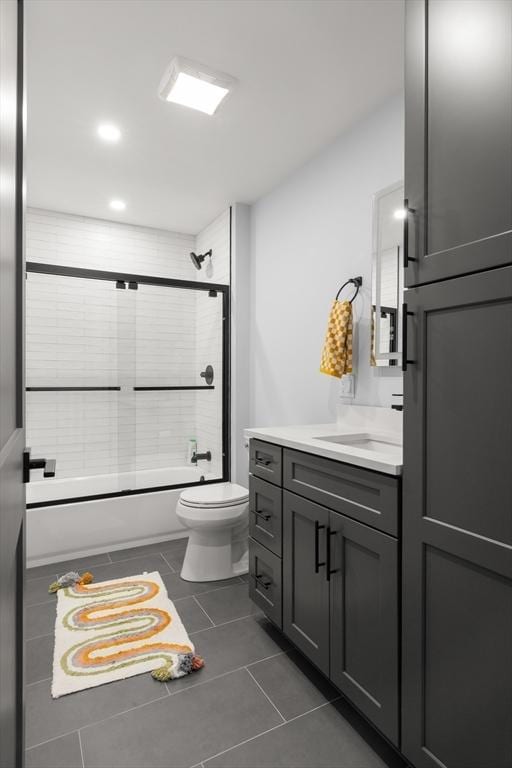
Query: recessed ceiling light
(109, 132)
(194, 85)
(400, 214)
(117, 205)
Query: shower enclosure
(126, 377)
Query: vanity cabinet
(339, 575)
(458, 124)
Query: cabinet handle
(328, 571)
(405, 315)
(262, 513)
(318, 528)
(264, 461)
(407, 210)
(265, 583)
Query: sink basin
(367, 441)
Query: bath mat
(117, 629)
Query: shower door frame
(224, 290)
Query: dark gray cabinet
(265, 524)
(364, 590)
(305, 587)
(265, 575)
(337, 583)
(369, 497)
(265, 461)
(458, 128)
(457, 524)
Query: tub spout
(201, 457)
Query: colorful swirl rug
(115, 629)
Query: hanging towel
(337, 351)
(373, 359)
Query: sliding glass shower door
(178, 385)
(126, 381)
(73, 383)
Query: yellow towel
(373, 360)
(337, 351)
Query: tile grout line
(53, 738)
(209, 591)
(45, 602)
(39, 637)
(108, 562)
(167, 562)
(97, 722)
(269, 730)
(36, 578)
(222, 674)
(35, 682)
(265, 694)
(223, 624)
(203, 610)
(81, 749)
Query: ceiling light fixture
(117, 205)
(400, 214)
(193, 85)
(109, 132)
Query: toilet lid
(215, 495)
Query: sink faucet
(201, 457)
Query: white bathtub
(75, 529)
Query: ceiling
(307, 71)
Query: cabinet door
(458, 150)
(305, 585)
(364, 620)
(457, 525)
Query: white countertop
(305, 438)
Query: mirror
(387, 277)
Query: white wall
(240, 348)
(307, 237)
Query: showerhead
(197, 259)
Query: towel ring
(357, 281)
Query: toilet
(218, 520)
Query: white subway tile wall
(83, 332)
(209, 343)
(215, 236)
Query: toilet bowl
(218, 520)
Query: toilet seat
(215, 496)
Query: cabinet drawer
(265, 581)
(366, 496)
(265, 514)
(265, 461)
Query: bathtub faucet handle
(47, 465)
(201, 457)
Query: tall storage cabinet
(458, 128)
(457, 481)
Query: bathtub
(89, 526)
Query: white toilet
(218, 519)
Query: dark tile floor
(256, 703)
